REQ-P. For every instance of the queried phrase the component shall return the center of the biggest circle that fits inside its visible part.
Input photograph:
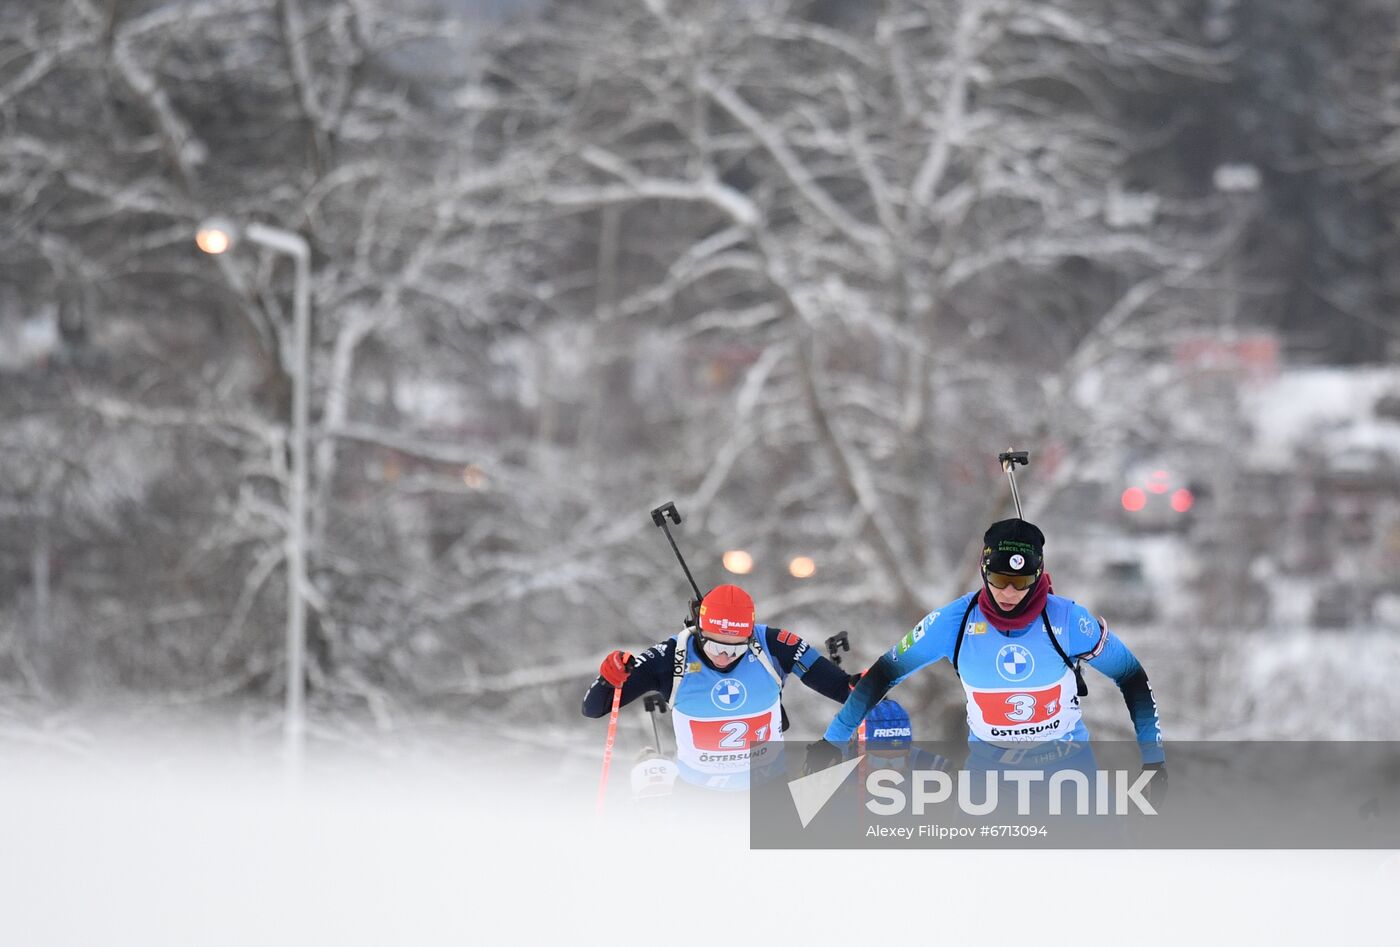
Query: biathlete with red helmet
(724, 681)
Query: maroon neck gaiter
(1029, 608)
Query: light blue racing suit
(1019, 689)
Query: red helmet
(727, 610)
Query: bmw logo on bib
(1015, 663)
(728, 694)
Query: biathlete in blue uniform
(724, 680)
(1017, 649)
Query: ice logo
(1017, 561)
(1014, 663)
(728, 694)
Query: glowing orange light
(802, 567)
(213, 240)
(738, 562)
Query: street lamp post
(215, 237)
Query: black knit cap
(1014, 547)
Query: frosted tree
(803, 267)
(810, 266)
(125, 124)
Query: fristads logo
(885, 733)
(728, 694)
(1014, 663)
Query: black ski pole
(1009, 459)
(841, 641)
(658, 516)
(836, 644)
(655, 705)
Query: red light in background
(1159, 481)
(1134, 499)
(1182, 500)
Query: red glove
(616, 667)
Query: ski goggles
(718, 650)
(1000, 580)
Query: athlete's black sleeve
(826, 678)
(1112, 657)
(796, 656)
(652, 672)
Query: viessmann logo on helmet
(724, 624)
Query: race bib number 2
(737, 734)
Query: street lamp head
(1237, 178)
(216, 236)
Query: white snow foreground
(190, 847)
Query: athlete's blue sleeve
(1112, 657)
(1083, 633)
(930, 640)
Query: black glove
(1156, 790)
(821, 755)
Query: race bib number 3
(738, 734)
(1006, 708)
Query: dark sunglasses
(1000, 580)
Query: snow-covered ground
(179, 843)
(118, 831)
